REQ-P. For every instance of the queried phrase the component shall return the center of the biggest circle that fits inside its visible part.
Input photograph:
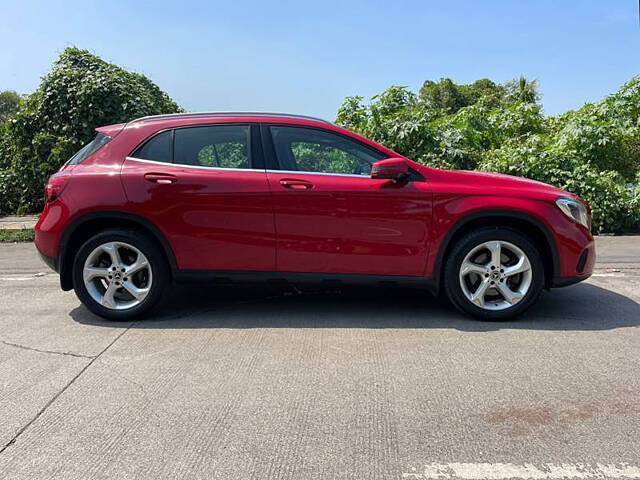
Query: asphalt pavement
(366, 383)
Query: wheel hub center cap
(495, 275)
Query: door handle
(161, 178)
(296, 184)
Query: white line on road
(527, 471)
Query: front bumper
(566, 281)
(583, 268)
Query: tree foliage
(80, 93)
(9, 102)
(593, 151)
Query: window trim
(197, 167)
(293, 172)
(256, 154)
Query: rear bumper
(47, 234)
(52, 262)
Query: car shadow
(579, 307)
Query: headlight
(574, 209)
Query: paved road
(367, 384)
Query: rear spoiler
(111, 130)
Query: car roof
(147, 126)
(237, 115)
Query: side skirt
(328, 279)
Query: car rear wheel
(120, 274)
(494, 274)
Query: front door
(207, 190)
(332, 217)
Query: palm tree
(523, 90)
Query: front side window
(157, 148)
(313, 150)
(99, 141)
(219, 146)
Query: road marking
(527, 471)
(17, 278)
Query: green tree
(451, 97)
(80, 93)
(9, 102)
(444, 94)
(522, 90)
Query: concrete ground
(360, 384)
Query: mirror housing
(396, 169)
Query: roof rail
(226, 114)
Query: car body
(252, 205)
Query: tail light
(55, 186)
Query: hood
(510, 180)
(488, 182)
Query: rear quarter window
(99, 141)
(157, 148)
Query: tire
(508, 290)
(122, 297)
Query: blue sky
(305, 57)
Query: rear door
(332, 217)
(206, 188)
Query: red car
(259, 196)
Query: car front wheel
(494, 274)
(120, 274)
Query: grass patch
(25, 235)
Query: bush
(80, 93)
(593, 151)
(613, 204)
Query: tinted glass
(313, 150)
(157, 148)
(99, 141)
(220, 146)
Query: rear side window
(99, 141)
(219, 146)
(157, 148)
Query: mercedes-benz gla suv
(254, 196)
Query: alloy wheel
(117, 275)
(495, 275)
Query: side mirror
(396, 169)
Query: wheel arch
(90, 223)
(519, 221)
